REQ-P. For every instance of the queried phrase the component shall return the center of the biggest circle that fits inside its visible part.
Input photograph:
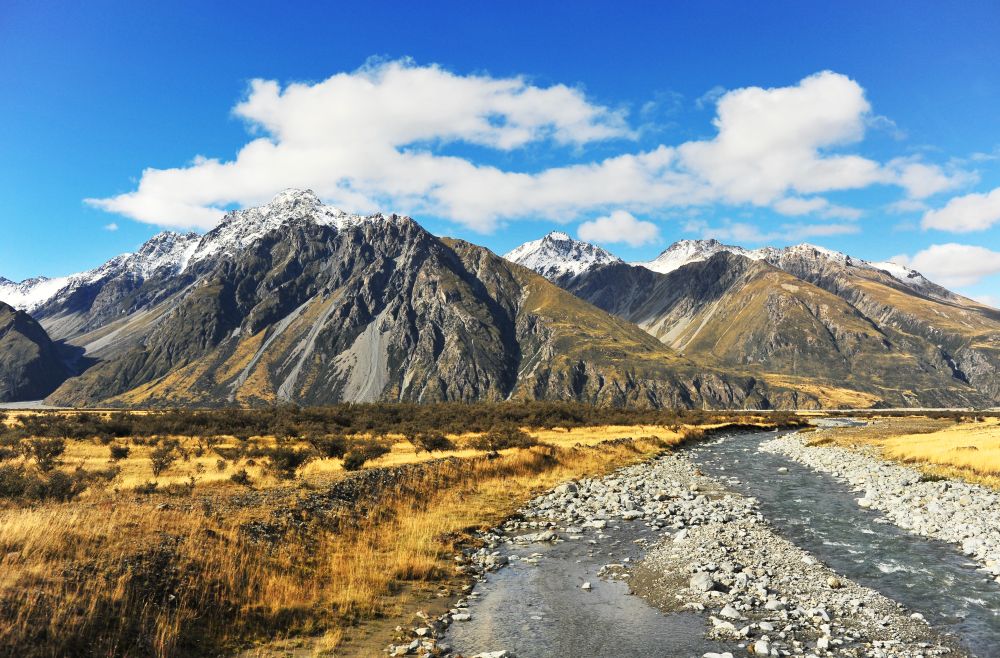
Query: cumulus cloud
(746, 233)
(380, 138)
(953, 265)
(964, 214)
(620, 226)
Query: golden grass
(968, 449)
(115, 573)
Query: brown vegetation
(245, 537)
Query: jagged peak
(557, 254)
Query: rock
(586, 586)
(834, 583)
(761, 648)
(729, 612)
(461, 616)
(566, 488)
(701, 582)
(717, 655)
(503, 653)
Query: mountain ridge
(807, 311)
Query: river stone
(701, 582)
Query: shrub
(241, 477)
(284, 462)
(221, 465)
(363, 452)
(118, 452)
(502, 437)
(331, 446)
(430, 441)
(163, 456)
(148, 488)
(45, 452)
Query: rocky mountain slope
(807, 316)
(31, 365)
(297, 301)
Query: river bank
(710, 552)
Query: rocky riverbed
(950, 510)
(709, 550)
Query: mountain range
(296, 301)
(803, 315)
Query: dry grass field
(323, 560)
(968, 448)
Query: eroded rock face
(821, 317)
(297, 302)
(31, 366)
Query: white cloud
(111, 227)
(953, 265)
(964, 214)
(921, 180)
(906, 206)
(814, 205)
(379, 138)
(620, 226)
(745, 233)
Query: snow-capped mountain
(30, 293)
(169, 253)
(164, 253)
(557, 254)
(242, 228)
(684, 252)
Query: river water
(540, 611)
(820, 514)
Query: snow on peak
(241, 228)
(30, 293)
(557, 254)
(683, 252)
(165, 254)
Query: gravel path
(950, 510)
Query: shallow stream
(540, 611)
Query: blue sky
(870, 128)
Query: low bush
(362, 452)
(284, 462)
(118, 452)
(163, 456)
(502, 437)
(430, 441)
(45, 452)
(331, 446)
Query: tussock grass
(940, 447)
(328, 562)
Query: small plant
(362, 452)
(163, 456)
(241, 477)
(118, 452)
(502, 437)
(221, 465)
(430, 441)
(46, 452)
(284, 462)
(148, 488)
(331, 446)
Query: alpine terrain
(808, 317)
(298, 301)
